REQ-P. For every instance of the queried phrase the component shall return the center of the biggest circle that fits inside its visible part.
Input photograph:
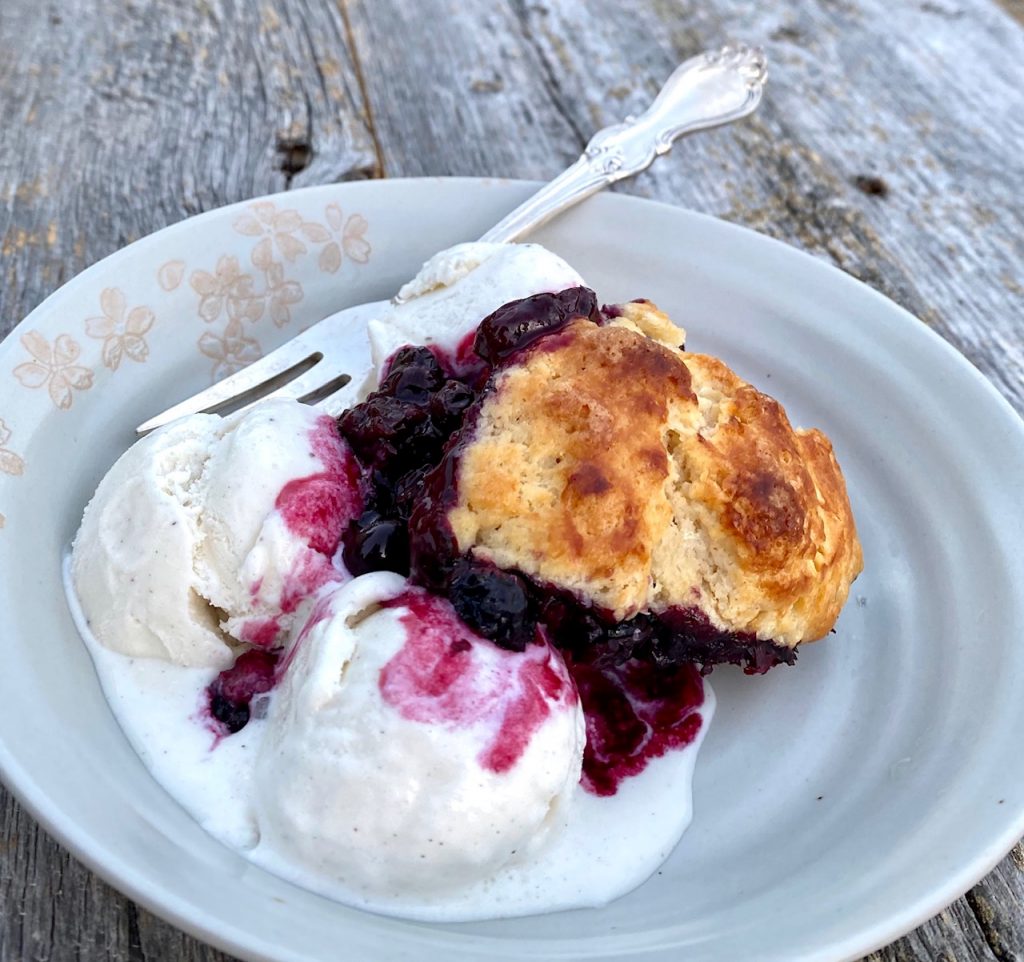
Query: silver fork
(708, 90)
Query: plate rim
(193, 919)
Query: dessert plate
(837, 804)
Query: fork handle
(708, 90)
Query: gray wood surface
(889, 145)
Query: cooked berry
(519, 323)
(494, 604)
(233, 717)
(253, 673)
(408, 490)
(433, 549)
(414, 374)
(375, 428)
(449, 404)
(580, 302)
(375, 543)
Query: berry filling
(398, 434)
(516, 325)
(232, 691)
(409, 436)
(634, 712)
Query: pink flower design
(171, 275)
(282, 293)
(227, 287)
(348, 240)
(10, 463)
(277, 229)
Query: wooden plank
(954, 935)
(998, 904)
(466, 98)
(52, 908)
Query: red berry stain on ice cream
(445, 674)
(308, 574)
(261, 632)
(317, 507)
(634, 712)
(464, 363)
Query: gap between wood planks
(550, 74)
(357, 66)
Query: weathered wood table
(891, 143)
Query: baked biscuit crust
(611, 464)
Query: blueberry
(234, 717)
(413, 376)
(517, 324)
(411, 356)
(494, 604)
(449, 404)
(376, 428)
(580, 302)
(409, 489)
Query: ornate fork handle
(705, 91)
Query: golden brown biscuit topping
(565, 478)
(642, 478)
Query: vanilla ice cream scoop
(280, 486)
(214, 529)
(403, 754)
(134, 555)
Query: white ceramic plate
(837, 804)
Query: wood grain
(889, 145)
(122, 118)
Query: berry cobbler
(445, 655)
(575, 472)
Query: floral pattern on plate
(122, 331)
(53, 367)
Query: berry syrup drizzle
(445, 674)
(634, 712)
